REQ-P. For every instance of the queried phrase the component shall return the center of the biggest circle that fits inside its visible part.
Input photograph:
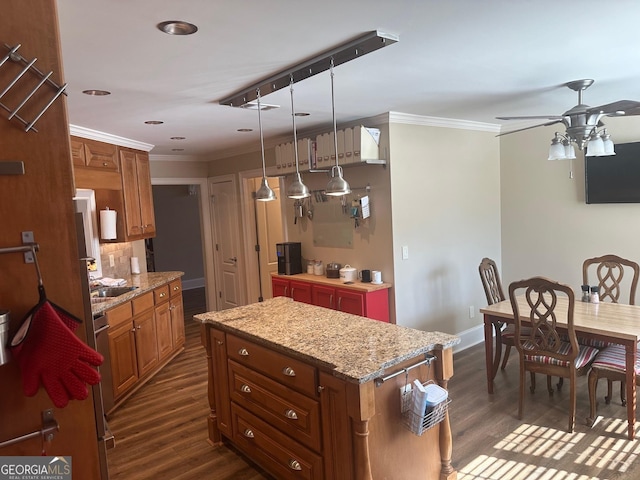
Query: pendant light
(297, 189)
(337, 186)
(264, 193)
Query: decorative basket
(420, 422)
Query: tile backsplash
(121, 252)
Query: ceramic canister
(348, 274)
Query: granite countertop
(145, 283)
(357, 349)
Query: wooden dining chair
(542, 350)
(494, 293)
(610, 274)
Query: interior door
(269, 222)
(226, 236)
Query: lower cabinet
(144, 334)
(366, 303)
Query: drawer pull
(295, 465)
(245, 388)
(244, 352)
(248, 433)
(219, 342)
(162, 294)
(291, 414)
(176, 288)
(289, 372)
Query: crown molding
(83, 132)
(409, 119)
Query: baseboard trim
(192, 283)
(469, 338)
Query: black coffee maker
(289, 258)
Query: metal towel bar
(49, 428)
(428, 358)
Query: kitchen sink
(110, 292)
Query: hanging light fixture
(264, 193)
(561, 148)
(297, 189)
(337, 186)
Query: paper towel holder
(108, 224)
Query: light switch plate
(405, 252)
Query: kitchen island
(309, 392)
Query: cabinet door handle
(331, 301)
(291, 414)
(294, 465)
(248, 433)
(339, 304)
(133, 329)
(293, 289)
(245, 389)
(244, 352)
(289, 372)
(139, 327)
(286, 289)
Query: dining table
(610, 322)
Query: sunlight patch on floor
(529, 446)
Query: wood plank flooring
(161, 431)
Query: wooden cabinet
(93, 154)
(121, 178)
(176, 308)
(300, 420)
(145, 333)
(137, 193)
(267, 404)
(365, 301)
(299, 291)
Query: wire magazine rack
(420, 422)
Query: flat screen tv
(616, 178)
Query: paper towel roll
(108, 224)
(135, 266)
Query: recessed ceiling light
(302, 114)
(96, 93)
(154, 122)
(245, 129)
(178, 138)
(177, 149)
(177, 27)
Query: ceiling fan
(582, 121)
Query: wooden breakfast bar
(309, 392)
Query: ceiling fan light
(556, 150)
(569, 150)
(297, 189)
(337, 186)
(264, 193)
(607, 144)
(595, 147)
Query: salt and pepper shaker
(585, 293)
(595, 295)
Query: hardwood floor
(161, 431)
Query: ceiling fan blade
(548, 117)
(626, 106)
(532, 126)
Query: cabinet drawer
(119, 315)
(101, 155)
(286, 370)
(293, 413)
(283, 457)
(142, 303)
(175, 288)
(161, 294)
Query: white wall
(547, 228)
(445, 195)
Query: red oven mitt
(49, 352)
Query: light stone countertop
(356, 348)
(145, 283)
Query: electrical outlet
(112, 261)
(405, 252)
(472, 311)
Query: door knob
(234, 259)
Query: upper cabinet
(121, 178)
(138, 197)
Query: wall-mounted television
(616, 178)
